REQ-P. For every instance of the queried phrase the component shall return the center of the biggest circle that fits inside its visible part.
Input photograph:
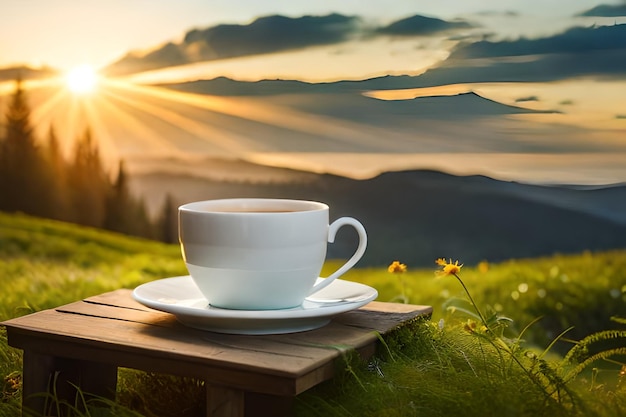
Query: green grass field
(432, 368)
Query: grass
(444, 372)
(44, 263)
(431, 368)
(583, 290)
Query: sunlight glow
(135, 122)
(82, 79)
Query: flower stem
(482, 318)
(501, 344)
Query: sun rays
(186, 133)
(266, 113)
(129, 120)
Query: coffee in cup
(260, 254)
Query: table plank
(213, 371)
(123, 298)
(174, 341)
(120, 298)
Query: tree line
(36, 178)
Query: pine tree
(141, 222)
(168, 221)
(125, 213)
(24, 181)
(89, 184)
(57, 168)
(118, 204)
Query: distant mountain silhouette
(26, 73)
(224, 86)
(418, 216)
(229, 87)
(343, 99)
(387, 112)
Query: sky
(562, 66)
(67, 33)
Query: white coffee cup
(260, 254)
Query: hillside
(418, 216)
(44, 264)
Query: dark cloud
(606, 10)
(524, 99)
(599, 52)
(264, 35)
(580, 51)
(420, 25)
(609, 64)
(165, 56)
(575, 40)
(506, 13)
(272, 34)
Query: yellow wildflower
(397, 268)
(470, 326)
(449, 268)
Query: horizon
(561, 117)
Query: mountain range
(418, 216)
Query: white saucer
(181, 297)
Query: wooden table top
(113, 328)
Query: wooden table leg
(268, 405)
(49, 381)
(224, 402)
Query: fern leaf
(601, 355)
(593, 338)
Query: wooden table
(85, 342)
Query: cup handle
(360, 250)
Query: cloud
(606, 10)
(528, 98)
(593, 51)
(505, 13)
(420, 25)
(272, 34)
(576, 40)
(552, 67)
(264, 35)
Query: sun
(82, 79)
